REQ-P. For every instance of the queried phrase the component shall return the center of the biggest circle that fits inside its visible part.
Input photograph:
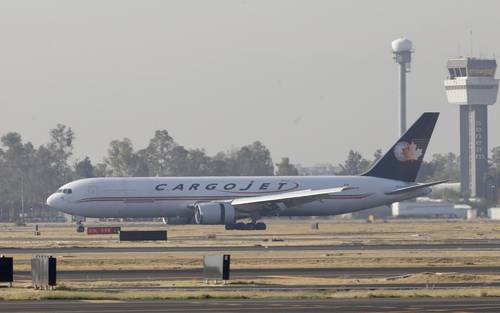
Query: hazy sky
(310, 79)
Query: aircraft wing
(301, 196)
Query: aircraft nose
(54, 201)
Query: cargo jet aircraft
(226, 200)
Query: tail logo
(404, 151)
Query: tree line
(30, 174)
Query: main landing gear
(246, 226)
(80, 228)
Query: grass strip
(24, 294)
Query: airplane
(227, 200)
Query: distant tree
(17, 155)
(495, 157)
(253, 160)
(46, 173)
(221, 165)
(441, 167)
(122, 159)
(142, 167)
(61, 148)
(179, 162)
(13, 143)
(354, 165)
(377, 155)
(493, 177)
(285, 168)
(448, 165)
(158, 154)
(101, 170)
(28, 174)
(199, 163)
(84, 168)
(426, 171)
(16, 160)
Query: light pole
(22, 198)
(402, 50)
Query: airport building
(494, 213)
(472, 86)
(428, 208)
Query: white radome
(401, 44)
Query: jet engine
(214, 213)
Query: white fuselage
(176, 196)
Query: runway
(300, 288)
(197, 273)
(485, 246)
(482, 305)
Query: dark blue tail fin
(403, 160)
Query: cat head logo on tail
(404, 151)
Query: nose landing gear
(80, 228)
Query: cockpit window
(65, 190)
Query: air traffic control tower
(472, 85)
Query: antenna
(470, 41)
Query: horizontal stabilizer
(414, 187)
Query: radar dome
(401, 44)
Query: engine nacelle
(214, 213)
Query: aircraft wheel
(80, 228)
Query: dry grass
(292, 232)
